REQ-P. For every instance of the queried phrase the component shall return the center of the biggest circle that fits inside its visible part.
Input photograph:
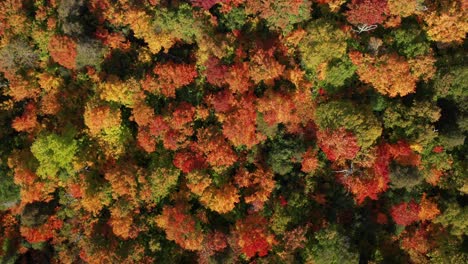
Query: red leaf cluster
(253, 237)
(187, 160)
(240, 125)
(338, 145)
(370, 182)
(367, 12)
(405, 213)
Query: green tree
(322, 43)
(357, 118)
(330, 247)
(55, 154)
(9, 192)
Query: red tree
(253, 236)
(405, 213)
(338, 145)
(368, 12)
(187, 160)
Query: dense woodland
(233, 131)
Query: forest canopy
(233, 131)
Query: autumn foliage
(63, 50)
(233, 131)
(368, 12)
(253, 238)
(389, 74)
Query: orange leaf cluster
(418, 240)
(403, 154)
(42, 233)
(449, 25)
(264, 67)
(214, 146)
(122, 180)
(277, 108)
(238, 78)
(222, 199)
(370, 182)
(428, 210)
(388, 74)
(309, 161)
(170, 77)
(179, 226)
(101, 117)
(63, 50)
(122, 224)
(239, 125)
(21, 89)
(259, 184)
(27, 121)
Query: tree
(411, 41)
(428, 210)
(259, 184)
(447, 25)
(113, 89)
(338, 145)
(283, 153)
(253, 237)
(221, 199)
(453, 218)
(240, 125)
(322, 43)
(389, 74)
(215, 147)
(355, 118)
(367, 12)
(170, 77)
(98, 118)
(403, 8)
(180, 226)
(18, 54)
(414, 122)
(55, 154)
(405, 213)
(122, 222)
(280, 15)
(63, 50)
(309, 161)
(27, 121)
(264, 67)
(330, 247)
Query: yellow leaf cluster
(123, 92)
(447, 26)
(140, 22)
(221, 200)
